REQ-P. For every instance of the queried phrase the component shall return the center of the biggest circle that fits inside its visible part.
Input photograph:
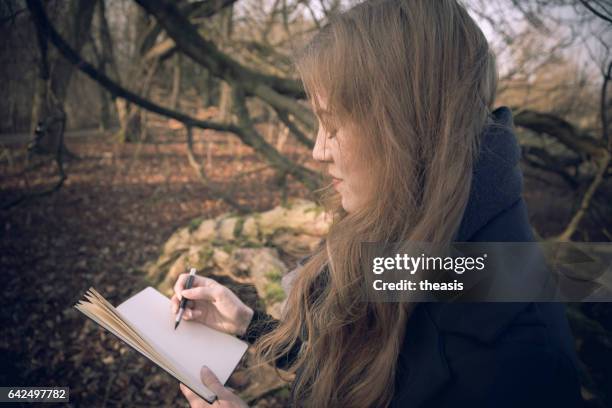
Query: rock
(260, 267)
(178, 241)
(221, 259)
(244, 248)
(179, 266)
(250, 229)
(297, 245)
(225, 231)
(205, 232)
(267, 271)
(300, 216)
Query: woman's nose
(321, 152)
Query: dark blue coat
(498, 355)
(490, 354)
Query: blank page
(191, 345)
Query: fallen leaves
(110, 218)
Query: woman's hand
(225, 397)
(212, 304)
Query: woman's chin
(347, 205)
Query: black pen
(184, 299)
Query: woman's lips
(336, 181)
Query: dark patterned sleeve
(261, 324)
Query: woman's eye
(329, 131)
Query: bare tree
(245, 131)
(56, 72)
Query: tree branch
(197, 9)
(586, 4)
(566, 235)
(561, 130)
(206, 53)
(541, 159)
(276, 91)
(309, 177)
(204, 178)
(297, 133)
(603, 107)
(248, 136)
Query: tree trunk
(225, 102)
(225, 97)
(77, 33)
(129, 121)
(207, 88)
(39, 105)
(107, 65)
(130, 116)
(105, 116)
(176, 82)
(52, 85)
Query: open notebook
(145, 322)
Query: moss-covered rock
(245, 248)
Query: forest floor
(116, 209)
(118, 206)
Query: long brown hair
(415, 80)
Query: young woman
(404, 93)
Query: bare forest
(127, 125)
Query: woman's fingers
(189, 311)
(191, 314)
(210, 380)
(193, 398)
(199, 281)
(201, 293)
(174, 302)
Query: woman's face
(336, 147)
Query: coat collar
(497, 183)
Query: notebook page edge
(204, 392)
(123, 318)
